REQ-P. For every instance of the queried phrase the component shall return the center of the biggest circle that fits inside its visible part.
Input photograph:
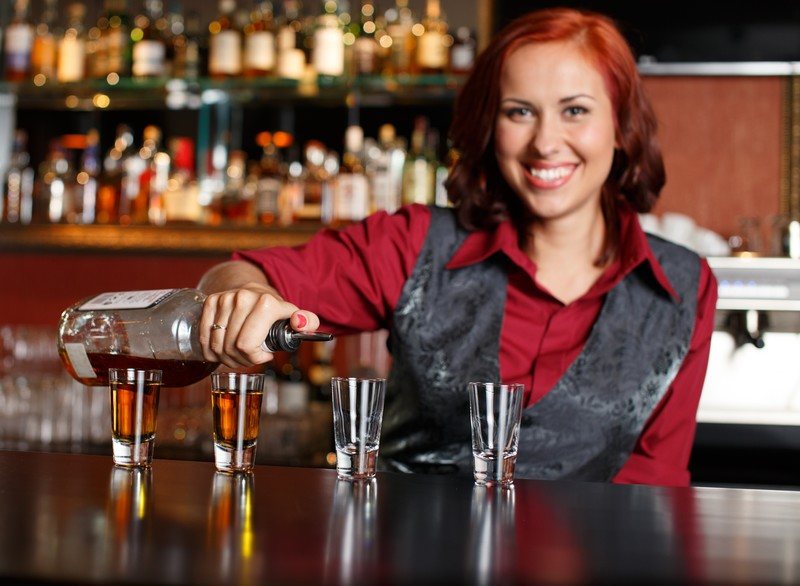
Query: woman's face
(554, 134)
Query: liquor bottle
(140, 170)
(418, 172)
(147, 329)
(292, 192)
(313, 180)
(149, 46)
(225, 44)
(365, 48)
(290, 41)
(116, 41)
(55, 191)
(72, 46)
(351, 194)
(43, 54)
(16, 206)
(385, 170)
(270, 181)
(160, 166)
(86, 189)
(18, 43)
(191, 50)
(181, 200)
(399, 22)
(432, 48)
(109, 191)
(328, 52)
(259, 42)
(237, 206)
(463, 51)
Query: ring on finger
(216, 326)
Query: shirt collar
(481, 244)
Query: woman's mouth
(549, 177)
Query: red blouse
(352, 279)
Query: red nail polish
(301, 321)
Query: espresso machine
(750, 405)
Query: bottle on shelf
(160, 167)
(463, 51)
(225, 43)
(149, 46)
(110, 182)
(140, 170)
(181, 199)
(54, 201)
(18, 43)
(72, 46)
(290, 42)
(292, 192)
(328, 52)
(419, 171)
(236, 203)
(366, 51)
(271, 177)
(385, 170)
(191, 50)
(44, 51)
(86, 188)
(351, 192)
(16, 205)
(399, 22)
(115, 42)
(434, 42)
(259, 41)
(147, 329)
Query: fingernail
(301, 320)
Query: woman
(541, 274)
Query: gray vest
(446, 333)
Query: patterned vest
(446, 332)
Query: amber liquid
(133, 419)
(176, 373)
(225, 407)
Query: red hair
(475, 185)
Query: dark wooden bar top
(77, 519)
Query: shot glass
(236, 407)
(495, 412)
(357, 418)
(134, 407)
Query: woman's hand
(235, 323)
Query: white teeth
(553, 174)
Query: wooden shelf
(184, 240)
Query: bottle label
(18, 45)
(127, 299)
(462, 57)
(352, 196)
(148, 58)
(431, 52)
(79, 360)
(226, 53)
(71, 59)
(329, 51)
(259, 51)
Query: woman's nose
(546, 137)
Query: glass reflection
(492, 535)
(230, 527)
(351, 554)
(129, 512)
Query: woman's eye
(575, 111)
(518, 112)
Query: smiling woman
(541, 274)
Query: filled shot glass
(134, 407)
(236, 408)
(357, 418)
(495, 413)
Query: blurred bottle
(290, 41)
(225, 43)
(56, 184)
(87, 184)
(399, 22)
(418, 172)
(259, 41)
(149, 46)
(44, 51)
(160, 168)
(351, 195)
(109, 192)
(328, 53)
(291, 196)
(441, 169)
(145, 167)
(313, 179)
(17, 203)
(18, 43)
(191, 51)
(463, 51)
(432, 46)
(237, 206)
(272, 176)
(366, 49)
(115, 41)
(72, 46)
(181, 200)
(386, 170)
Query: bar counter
(78, 519)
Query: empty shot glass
(134, 407)
(357, 418)
(495, 412)
(236, 409)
